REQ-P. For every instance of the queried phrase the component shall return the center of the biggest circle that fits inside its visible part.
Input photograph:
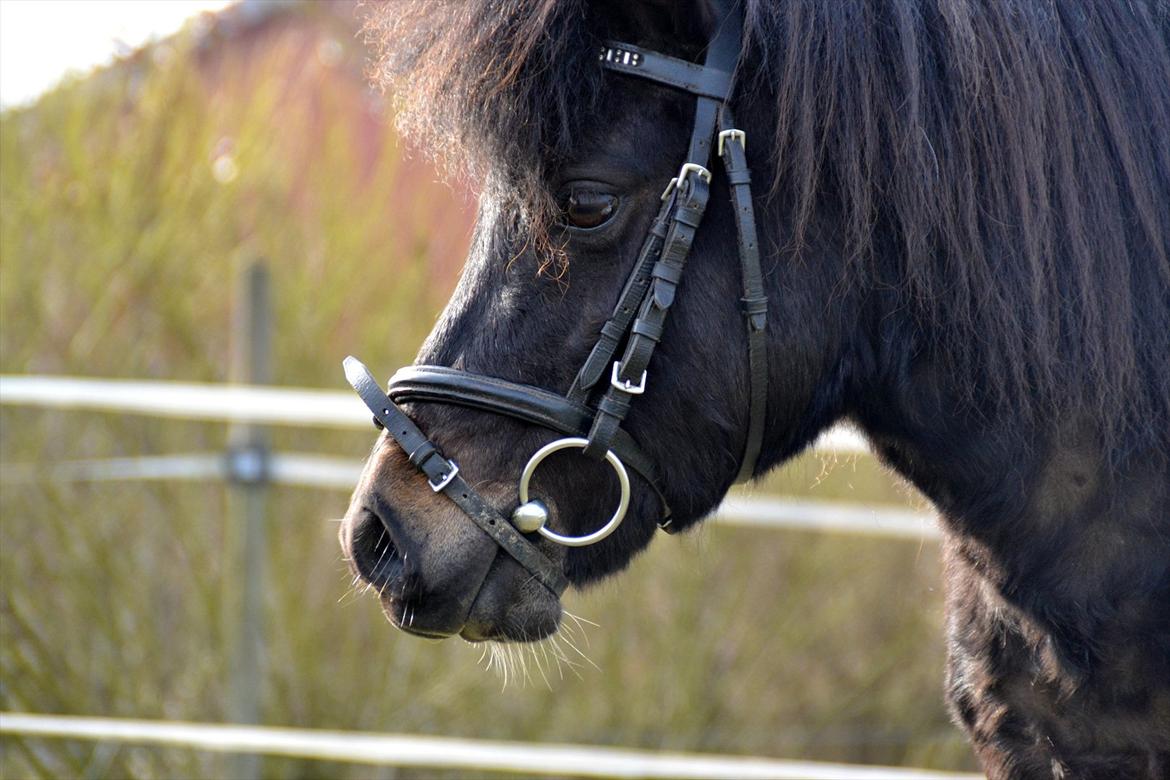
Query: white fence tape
(147, 467)
(446, 752)
(237, 403)
(826, 516)
(229, 403)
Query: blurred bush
(129, 201)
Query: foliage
(129, 202)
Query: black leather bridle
(591, 414)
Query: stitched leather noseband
(591, 414)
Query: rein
(638, 320)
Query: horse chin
(401, 616)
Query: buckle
(669, 188)
(732, 133)
(703, 173)
(446, 480)
(625, 385)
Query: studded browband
(638, 320)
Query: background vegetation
(129, 201)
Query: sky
(43, 40)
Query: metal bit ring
(623, 480)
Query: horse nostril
(375, 555)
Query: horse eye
(585, 209)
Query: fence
(448, 753)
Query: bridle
(590, 416)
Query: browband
(699, 80)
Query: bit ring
(623, 480)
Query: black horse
(964, 217)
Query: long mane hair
(1007, 164)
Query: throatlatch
(590, 416)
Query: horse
(959, 218)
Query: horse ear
(676, 26)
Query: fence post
(248, 475)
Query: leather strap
(444, 478)
(689, 203)
(702, 80)
(647, 329)
(755, 301)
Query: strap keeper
(667, 272)
(755, 305)
(421, 454)
(615, 405)
(611, 330)
(739, 176)
(756, 311)
(650, 330)
(691, 214)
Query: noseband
(591, 414)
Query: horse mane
(1010, 160)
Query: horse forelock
(495, 91)
(1008, 161)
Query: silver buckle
(450, 475)
(669, 188)
(703, 173)
(732, 133)
(625, 385)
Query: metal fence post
(248, 473)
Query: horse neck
(1061, 526)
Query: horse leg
(1007, 743)
(1030, 715)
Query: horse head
(573, 226)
